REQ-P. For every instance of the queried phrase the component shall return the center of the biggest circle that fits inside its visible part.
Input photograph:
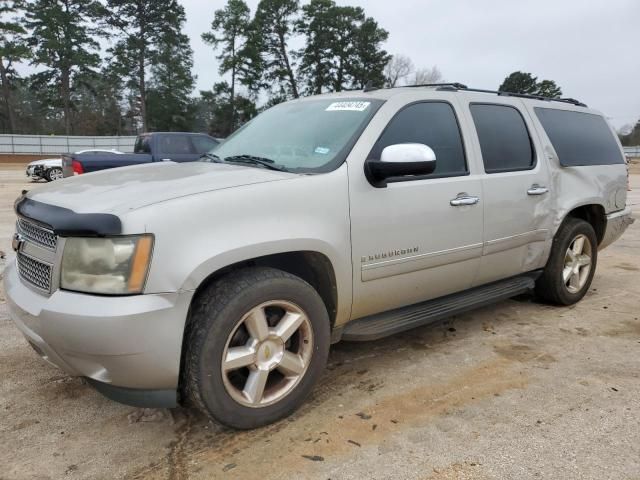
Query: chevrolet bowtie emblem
(17, 242)
(267, 352)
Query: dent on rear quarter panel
(584, 185)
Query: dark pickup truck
(149, 147)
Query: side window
(504, 139)
(175, 145)
(579, 138)
(143, 145)
(203, 144)
(433, 124)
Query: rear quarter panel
(572, 187)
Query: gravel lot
(517, 390)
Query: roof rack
(456, 86)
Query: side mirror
(401, 160)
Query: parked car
(149, 148)
(346, 216)
(50, 169)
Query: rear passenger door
(517, 200)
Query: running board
(395, 321)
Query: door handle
(464, 199)
(537, 190)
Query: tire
(224, 316)
(551, 286)
(53, 174)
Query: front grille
(37, 234)
(35, 272)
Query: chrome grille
(35, 272)
(37, 234)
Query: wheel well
(313, 267)
(593, 214)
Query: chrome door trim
(514, 241)
(399, 266)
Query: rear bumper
(127, 344)
(617, 223)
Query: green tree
(63, 38)
(217, 105)
(368, 59)
(170, 105)
(142, 27)
(274, 25)
(526, 83)
(520, 82)
(13, 49)
(548, 88)
(632, 138)
(233, 33)
(343, 48)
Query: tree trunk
(233, 87)
(287, 64)
(6, 96)
(66, 98)
(143, 91)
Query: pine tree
(13, 49)
(526, 83)
(63, 38)
(169, 100)
(233, 33)
(142, 27)
(275, 22)
(343, 48)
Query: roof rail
(456, 86)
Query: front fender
(197, 235)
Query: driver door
(414, 240)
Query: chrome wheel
(55, 174)
(577, 264)
(267, 354)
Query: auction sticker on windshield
(348, 107)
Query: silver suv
(349, 216)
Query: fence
(55, 145)
(633, 152)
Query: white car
(50, 169)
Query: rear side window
(175, 145)
(504, 139)
(433, 124)
(579, 139)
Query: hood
(127, 188)
(49, 162)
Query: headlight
(110, 266)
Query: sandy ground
(517, 390)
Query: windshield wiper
(212, 157)
(251, 159)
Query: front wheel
(257, 342)
(572, 264)
(54, 174)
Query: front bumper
(130, 342)
(617, 223)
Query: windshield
(309, 136)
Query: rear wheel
(572, 264)
(258, 341)
(53, 174)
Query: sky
(591, 48)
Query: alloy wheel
(267, 354)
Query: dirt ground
(518, 390)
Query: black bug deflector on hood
(66, 222)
